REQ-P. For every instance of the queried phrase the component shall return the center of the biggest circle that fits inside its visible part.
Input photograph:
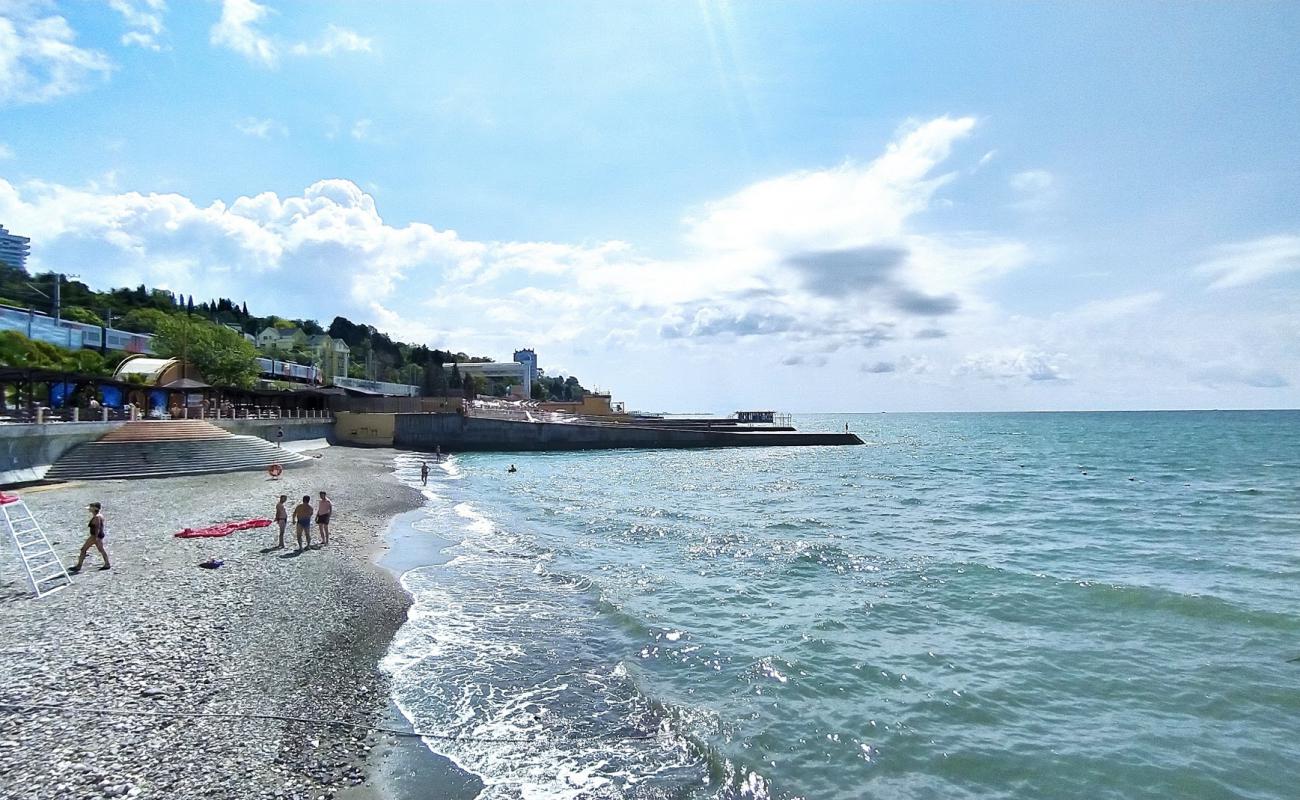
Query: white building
(14, 249)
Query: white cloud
(39, 60)
(361, 129)
(1243, 263)
(6, 152)
(1012, 364)
(261, 128)
(239, 29)
(334, 40)
(145, 20)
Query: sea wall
(455, 432)
(364, 429)
(28, 450)
(294, 429)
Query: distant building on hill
(14, 249)
(273, 338)
(521, 372)
(333, 355)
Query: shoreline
(270, 632)
(408, 768)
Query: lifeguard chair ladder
(45, 571)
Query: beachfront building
(592, 404)
(14, 249)
(521, 372)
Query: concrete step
(165, 430)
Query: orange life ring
(274, 470)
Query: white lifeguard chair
(45, 571)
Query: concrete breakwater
(459, 433)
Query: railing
(42, 415)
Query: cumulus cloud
(803, 360)
(930, 333)
(39, 58)
(1243, 263)
(144, 20)
(1219, 375)
(1012, 364)
(334, 40)
(879, 368)
(261, 128)
(240, 29)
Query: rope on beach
(17, 708)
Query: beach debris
(224, 529)
(212, 563)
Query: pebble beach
(270, 632)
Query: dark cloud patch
(930, 333)
(878, 368)
(800, 360)
(911, 302)
(709, 322)
(834, 273)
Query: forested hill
(145, 310)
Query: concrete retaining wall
(454, 432)
(27, 451)
(294, 429)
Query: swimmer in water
(512, 469)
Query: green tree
(222, 357)
(79, 314)
(142, 320)
(471, 384)
(455, 381)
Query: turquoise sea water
(972, 605)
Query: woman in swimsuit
(95, 538)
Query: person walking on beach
(279, 435)
(424, 473)
(323, 510)
(95, 538)
(302, 521)
(282, 517)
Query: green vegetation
(219, 354)
(17, 350)
(156, 311)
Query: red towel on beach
(224, 529)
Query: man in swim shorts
(323, 511)
(302, 521)
(282, 516)
(424, 473)
(95, 538)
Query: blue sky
(812, 206)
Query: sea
(1044, 605)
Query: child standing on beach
(302, 521)
(323, 510)
(282, 516)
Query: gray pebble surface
(266, 633)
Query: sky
(699, 206)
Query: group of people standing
(303, 514)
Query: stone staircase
(162, 449)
